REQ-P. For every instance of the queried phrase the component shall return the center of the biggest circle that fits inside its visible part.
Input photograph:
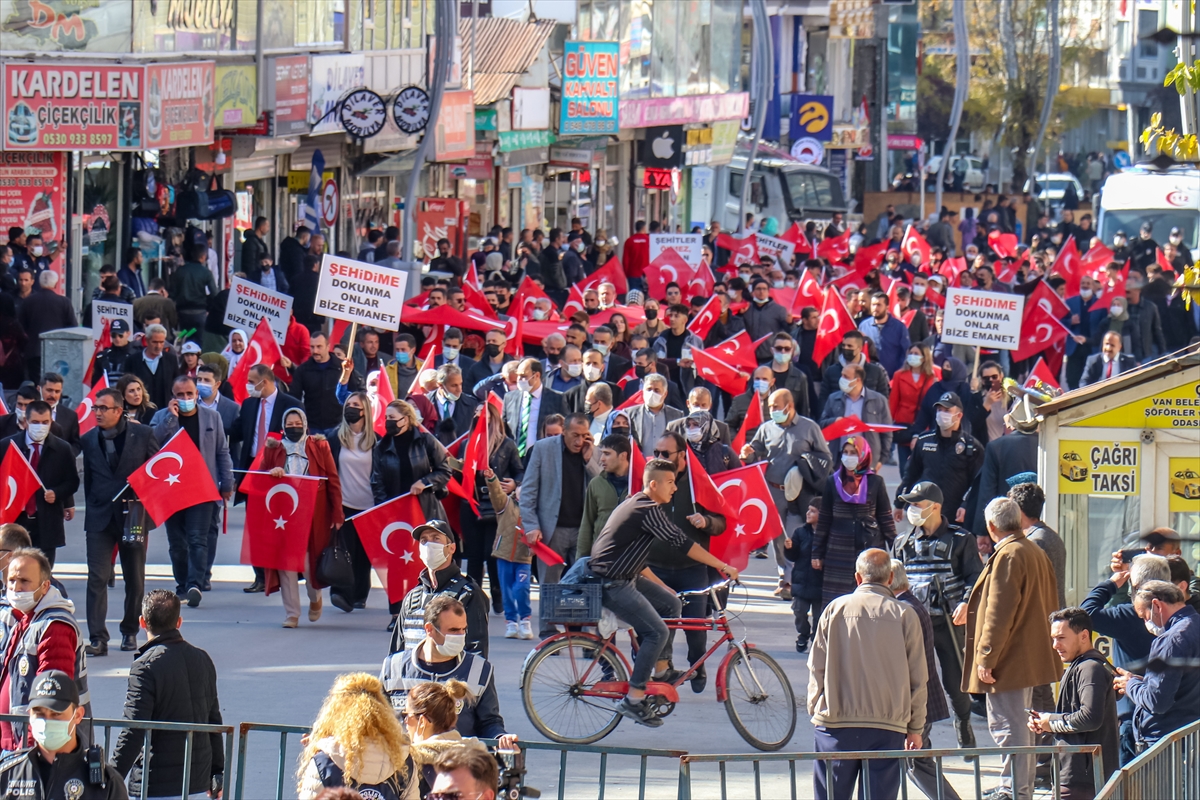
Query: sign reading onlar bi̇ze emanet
(991, 320)
(359, 292)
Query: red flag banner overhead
(279, 514)
(836, 248)
(706, 317)
(174, 478)
(19, 482)
(261, 349)
(848, 426)
(717, 372)
(741, 251)
(754, 522)
(87, 417)
(836, 322)
(445, 315)
(1068, 266)
(669, 267)
(704, 491)
(1095, 260)
(612, 272)
(386, 535)
(754, 418)
(914, 243)
(528, 293)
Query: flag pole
(264, 472)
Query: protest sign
(248, 303)
(779, 249)
(991, 320)
(104, 312)
(359, 292)
(686, 244)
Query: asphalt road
(268, 674)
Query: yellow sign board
(1175, 408)
(236, 95)
(298, 180)
(1184, 477)
(1099, 467)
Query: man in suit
(1108, 363)
(853, 351)
(456, 410)
(575, 398)
(526, 409)
(855, 400)
(451, 353)
(648, 421)
(1085, 325)
(67, 419)
(615, 367)
(208, 385)
(43, 310)
(187, 530)
(111, 452)
(261, 413)
(14, 423)
(54, 462)
(645, 362)
(157, 366)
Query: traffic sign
(329, 203)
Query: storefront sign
(1184, 475)
(249, 303)
(360, 292)
(571, 157)
(847, 136)
(291, 95)
(485, 119)
(362, 113)
(682, 110)
(1099, 467)
(437, 218)
(808, 150)
(983, 319)
(812, 115)
(476, 169)
(454, 130)
(724, 140)
(1174, 408)
(590, 87)
(525, 140)
(330, 77)
(236, 95)
(410, 109)
(653, 178)
(33, 198)
(897, 141)
(531, 109)
(179, 104)
(104, 313)
(47, 26)
(687, 245)
(167, 26)
(663, 147)
(68, 106)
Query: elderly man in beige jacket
(856, 705)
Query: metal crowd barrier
(1168, 770)
(794, 775)
(147, 727)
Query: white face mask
(540, 314)
(694, 435)
(591, 374)
(945, 419)
(22, 601)
(916, 516)
(847, 385)
(918, 290)
(1154, 629)
(850, 461)
(455, 642)
(1086, 294)
(37, 251)
(252, 390)
(574, 370)
(653, 399)
(450, 353)
(523, 385)
(433, 555)
(38, 431)
(602, 349)
(915, 359)
(52, 734)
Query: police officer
(947, 456)
(942, 565)
(62, 763)
(116, 360)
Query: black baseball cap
(437, 526)
(55, 690)
(949, 400)
(1147, 226)
(1176, 232)
(923, 490)
(119, 326)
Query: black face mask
(553, 357)
(620, 431)
(392, 426)
(651, 313)
(293, 434)
(491, 350)
(639, 371)
(352, 415)
(849, 354)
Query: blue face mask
(403, 358)
(204, 390)
(187, 406)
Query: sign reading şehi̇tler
(983, 319)
(359, 292)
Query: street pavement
(268, 674)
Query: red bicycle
(571, 682)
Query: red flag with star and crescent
(279, 514)
(752, 421)
(261, 349)
(1040, 329)
(848, 426)
(669, 267)
(914, 243)
(1041, 372)
(1068, 266)
(835, 248)
(704, 491)
(612, 272)
(386, 535)
(20, 482)
(738, 350)
(87, 418)
(742, 250)
(177, 466)
(836, 322)
(755, 520)
(724, 376)
(706, 317)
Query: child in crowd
(806, 581)
(512, 561)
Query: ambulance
(1168, 199)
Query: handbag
(867, 533)
(136, 525)
(334, 567)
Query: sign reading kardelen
(590, 89)
(688, 245)
(983, 319)
(64, 106)
(179, 104)
(249, 303)
(360, 292)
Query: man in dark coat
(54, 462)
(60, 412)
(44, 310)
(157, 367)
(292, 251)
(1005, 457)
(255, 251)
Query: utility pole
(764, 56)
(962, 77)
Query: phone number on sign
(77, 138)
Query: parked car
(973, 166)
(1051, 186)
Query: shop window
(1111, 523)
(665, 55)
(637, 28)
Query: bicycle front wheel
(568, 690)
(759, 700)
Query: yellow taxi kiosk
(1121, 457)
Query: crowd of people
(954, 565)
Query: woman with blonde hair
(430, 713)
(138, 407)
(357, 741)
(352, 444)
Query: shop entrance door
(1177, 493)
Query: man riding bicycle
(632, 592)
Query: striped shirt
(621, 550)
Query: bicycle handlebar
(707, 589)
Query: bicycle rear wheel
(759, 700)
(560, 692)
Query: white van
(781, 187)
(1169, 199)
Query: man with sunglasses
(787, 374)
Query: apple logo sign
(663, 147)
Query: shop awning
(505, 48)
(399, 164)
(1170, 364)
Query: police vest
(412, 616)
(929, 564)
(23, 666)
(401, 674)
(332, 776)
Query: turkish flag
(808, 294)
(1041, 372)
(836, 322)
(835, 249)
(1003, 245)
(914, 243)
(383, 396)
(669, 267)
(394, 557)
(472, 275)
(20, 482)
(754, 418)
(476, 300)
(631, 375)
(612, 272)
(1007, 269)
(1039, 330)
(795, 235)
(188, 476)
(634, 315)
(754, 522)
(741, 251)
(1160, 258)
(1048, 299)
(637, 466)
(848, 426)
(634, 399)
(527, 294)
(1068, 266)
(738, 350)
(722, 375)
(1095, 260)
(700, 284)
(1111, 290)
(276, 531)
(87, 419)
(574, 301)
(869, 258)
(475, 459)
(450, 318)
(514, 330)
(706, 317)
(261, 349)
(704, 491)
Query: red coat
(906, 396)
(327, 513)
(636, 255)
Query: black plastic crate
(570, 603)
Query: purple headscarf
(861, 471)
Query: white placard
(779, 249)
(105, 311)
(686, 244)
(248, 303)
(359, 292)
(983, 319)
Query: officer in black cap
(947, 456)
(1185, 253)
(114, 361)
(943, 564)
(1143, 251)
(62, 763)
(437, 545)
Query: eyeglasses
(783, 350)
(666, 453)
(454, 795)
(105, 408)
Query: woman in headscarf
(704, 440)
(770, 227)
(238, 339)
(618, 423)
(299, 453)
(856, 514)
